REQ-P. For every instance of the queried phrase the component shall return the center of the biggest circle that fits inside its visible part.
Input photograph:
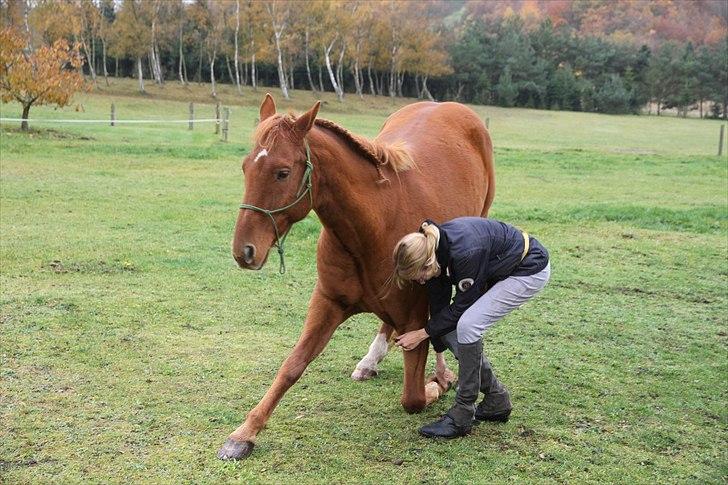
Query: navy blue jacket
(474, 254)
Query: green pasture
(131, 345)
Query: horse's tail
(489, 164)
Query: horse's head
(276, 175)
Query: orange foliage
(47, 75)
(650, 22)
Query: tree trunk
(357, 83)
(308, 66)
(340, 68)
(392, 81)
(153, 65)
(116, 67)
(425, 91)
(212, 72)
(184, 70)
(321, 79)
(253, 74)
(181, 58)
(26, 12)
(417, 86)
(230, 72)
(24, 123)
(332, 76)
(103, 55)
(400, 82)
(371, 81)
(89, 62)
(199, 65)
(291, 82)
(93, 53)
(141, 76)
(154, 55)
(237, 31)
(281, 71)
(245, 74)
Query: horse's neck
(347, 198)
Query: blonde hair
(415, 253)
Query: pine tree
(507, 91)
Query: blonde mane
(379, 154)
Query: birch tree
(130, 37)
(279, 12)
(237, 50)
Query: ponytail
(414, 253)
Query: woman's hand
(410, 340)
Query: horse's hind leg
(367, 366)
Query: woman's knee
(469, 331)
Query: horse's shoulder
(337, 271)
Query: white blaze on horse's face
(261, 154)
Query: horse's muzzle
(246, 257)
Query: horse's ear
(267, 107)
(305, 121)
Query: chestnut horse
(430, 160)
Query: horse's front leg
(367, 366)
(324, 315)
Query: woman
(495, 269)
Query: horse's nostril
(248, 253)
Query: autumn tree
(254, 37)
(130, 37)
(46, 75)
(215, 39)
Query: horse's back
(453, 153)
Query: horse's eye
(282, 174)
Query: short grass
(131, 345)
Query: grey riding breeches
(502, 298)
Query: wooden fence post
(217, 118)
(225, 123)
(720, 141)
(113, 114)
(192, 115)
(487, 123)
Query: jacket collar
(443, 252)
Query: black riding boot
(496, 405)
(459, 419)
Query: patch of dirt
(58, 266)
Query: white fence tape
(109, 121)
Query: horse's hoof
(361, 374)
(235, 450)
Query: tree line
(434, 49)
(502, 62)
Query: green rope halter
(305, 182)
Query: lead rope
(305, 187)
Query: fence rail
(112, 121)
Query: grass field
(131, 345)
